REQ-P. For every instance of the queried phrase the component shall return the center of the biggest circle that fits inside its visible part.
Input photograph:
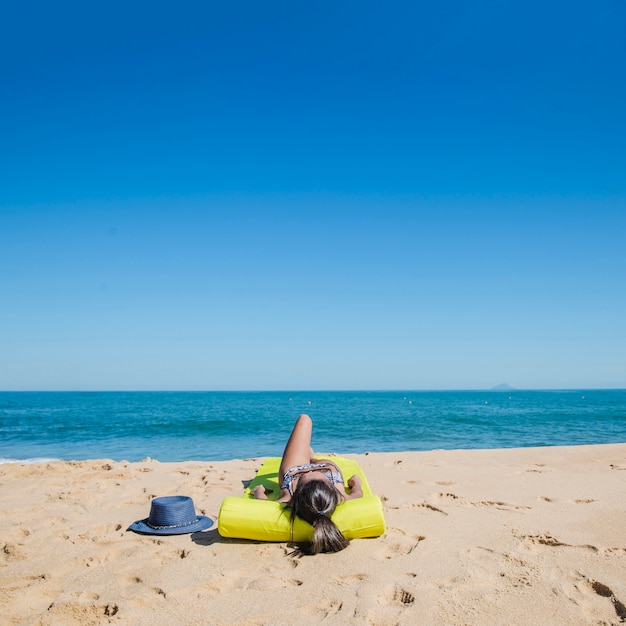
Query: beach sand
(517, 536)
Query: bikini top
(334, 476)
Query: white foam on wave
(33, 461)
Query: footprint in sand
(397, 596)
(548, 540)
(350, 580)
(452, 496)
(426, 505)
(21, 583)
(397, 543)
(391, 607)
(590, 595)
(99, 533)
(503, 506)
(324, 610)
(509, 570)
(234, 579)
(604, 591)
(13, 552)
(71, 611)
(577, 501)
(271, 583)
(331, 607)
(91, 561)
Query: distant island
(503, 387)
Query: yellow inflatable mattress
(267, 520)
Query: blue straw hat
(171, 515)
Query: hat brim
(143, 528)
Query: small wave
(33, 461)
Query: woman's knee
(303, 421)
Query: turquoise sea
(178, 426)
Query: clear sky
(328, 195)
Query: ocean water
(179, 426)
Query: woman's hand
(354, 480)
(259, 492)
(355, 484)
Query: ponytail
(326, 536)
(314, 502)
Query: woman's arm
(260, 494)
(356, 490)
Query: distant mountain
(503, 387)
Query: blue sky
(330, 196)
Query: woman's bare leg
(298, 448)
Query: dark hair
(314, 502)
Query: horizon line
(497, 388)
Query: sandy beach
(517, 536)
